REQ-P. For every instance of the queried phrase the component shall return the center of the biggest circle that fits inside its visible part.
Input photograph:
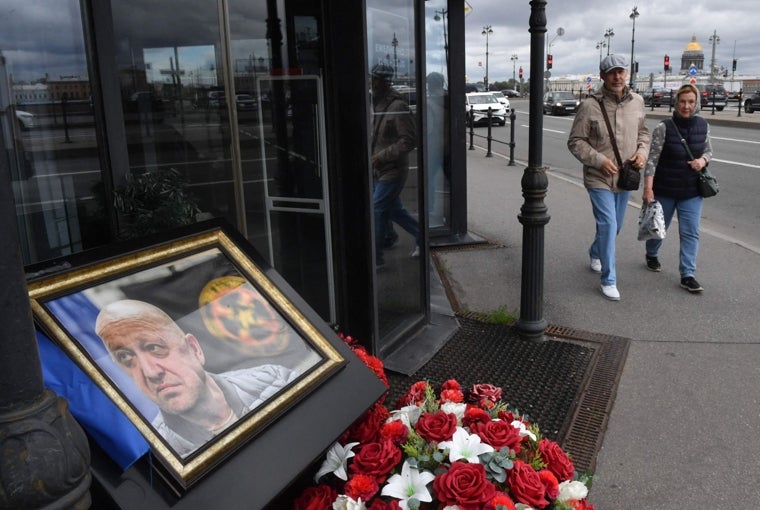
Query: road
(734, 214)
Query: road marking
(735, 163)
(733, 139)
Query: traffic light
(549, 60)
(522, 75)
(667, 63)
(733, 66)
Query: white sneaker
(610, 292)
(596, 265)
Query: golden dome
(693, 45)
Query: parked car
(502, 99)
(245, 103)
(510, 93)
(560, 102)
(473, 87)
(657, 96)
(712, 94)
(752, 102)
(478, 103)
(25, 119)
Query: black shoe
(690, 284)
(653, 264)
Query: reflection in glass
(47, 129)
(394, 144)
(437, 132)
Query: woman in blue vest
(671, 178)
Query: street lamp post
(394, 43)
(441, 16)
(600, 46)
(714, 39)
(514, 59)
(633, 16)
(486, 32)
(609, 34)
(559, 33)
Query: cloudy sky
(663, 27)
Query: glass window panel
(394, 144)
(47, 129)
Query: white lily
(335, 461)
(346, 503)
(411, 483)
(523, 429)
(408, 415)
(464, 446)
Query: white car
(26, 119)
(478, 103)
(500, 97)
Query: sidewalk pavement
(683, 431)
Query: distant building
(692, 56)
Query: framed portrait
(192, 340)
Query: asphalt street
(683, 432)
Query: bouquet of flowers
(445, 450)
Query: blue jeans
(609, 213)
(388, 208)
(689, 213)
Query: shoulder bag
(629, 178)
(707, 183)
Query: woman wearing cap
(590, 143)
(671, 178)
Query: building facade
(259, 112)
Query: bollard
(489, 154)
(740, 104)
(472, 128)
(512, 116)
(670, 101)
(713, 102)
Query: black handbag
(707, 184)
(629, 178)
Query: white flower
(408, 415)
(523, 430)
(346, 503)
(335, 461)
(455, 409)
(523, 506)
(411, 483)
(572, 490)
(464, 446)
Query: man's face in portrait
(166, 364)
(615, 80)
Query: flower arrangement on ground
(446, 450)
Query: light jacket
(589, 139)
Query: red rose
(451, 384)
(501, 502)
(526, 486)
(366, 428)
(556, 460)
(485, 395)
(395, 431)
(475, 415)
(498, 434)
(361, 486)
(415, 395)
(376, 459)
(550, 483)
(436, 427)
(582, 505)
(372, 362)
(316, 498)
(454, 396)
(379, 504)
(464, 485)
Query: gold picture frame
(250, 334)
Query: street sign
(692, 70)
(588, 79)
(547, 74)
(692, 81)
